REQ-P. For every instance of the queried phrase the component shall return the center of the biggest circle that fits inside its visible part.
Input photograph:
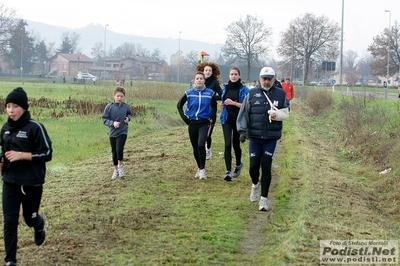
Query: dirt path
(255, 238)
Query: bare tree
(51, 49)
(75, 38)
(309, 38)
(156, 55)
(365, 65)
(350, 60)
(350, 66)
(379, 50)
(191, 61)
(128, 49)
(7, 22)
(69, 43)
(246, 41)
(98, 53)
(188, 64)
(141, 51)
(125, 50)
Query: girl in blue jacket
(212, 73)
(199, 115)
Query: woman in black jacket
(26, 147)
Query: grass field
(324, 186)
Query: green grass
(160, 215)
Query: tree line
(308, 41)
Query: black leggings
(266, 176)
(198, 137)
(231, 138)
(117, 148)
(209, 140)
(13, 196)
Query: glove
(243, 136)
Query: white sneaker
(197, 173)
(121, 171)
(115, 174)
(263, 204)
(208, 154)
(254, 192)
(202, 174)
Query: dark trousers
(261, 153)
(13, 196)
(117, 148)
(231, 138)
(198, 137)
(209, 140)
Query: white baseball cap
(267, 72)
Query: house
(133, 67)
(63, 64)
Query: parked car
(313, 83)
(87, 76)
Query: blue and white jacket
(200, 105)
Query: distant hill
(92, 34)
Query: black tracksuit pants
(13, 196)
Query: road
(368, 94)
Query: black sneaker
(11, 263)
(40, 233)
(237, 170)
(228, 176)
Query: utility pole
(388, 55)
(22, 45)
(104, 54)
(291, 67)
(341, 47)
(179, 54)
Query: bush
(318, 101)
(368, 128)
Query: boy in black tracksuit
(25, 149)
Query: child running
(117, 116)
(200, 113)
(25, 150)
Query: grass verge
(160, 215)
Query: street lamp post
(291, 65)
(341, 47)
(22, 45)
(388, 55)
(104, 52)
(79, 62)
(179, 53)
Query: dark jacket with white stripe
(31, 137)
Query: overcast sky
(207, 20)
